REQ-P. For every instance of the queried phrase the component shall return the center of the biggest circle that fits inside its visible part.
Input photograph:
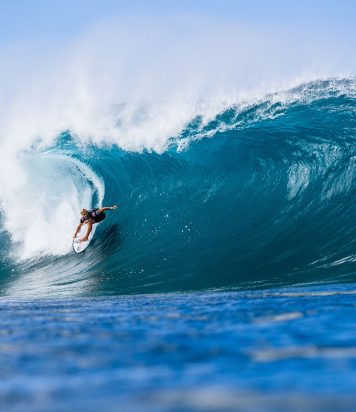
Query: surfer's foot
(83, 239)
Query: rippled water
(282, 349)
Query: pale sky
(26, 20)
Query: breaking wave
(259, 194)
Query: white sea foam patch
(41, 196)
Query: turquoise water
(261, 196)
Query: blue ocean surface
(224, 281)
(288, 349)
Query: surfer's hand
(113, 207)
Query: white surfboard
(79, 246)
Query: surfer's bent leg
(90, 224)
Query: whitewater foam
(42, 200)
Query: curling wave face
(260, 195)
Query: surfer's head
(84, 212)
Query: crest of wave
(136, 81)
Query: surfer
(90, 217)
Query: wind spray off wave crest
(136, 82)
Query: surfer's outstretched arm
(103, 209)
(78, 229)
